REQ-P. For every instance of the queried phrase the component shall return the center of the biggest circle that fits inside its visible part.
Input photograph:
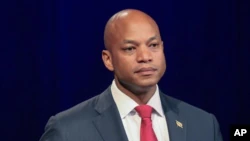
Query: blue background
(51, 57)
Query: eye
(154, 45)
(129, 49)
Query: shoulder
(87, 109)
(198, 119)
(82, 111)
(67, 121)
(185, 109)
(71, 122)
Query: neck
(140, 95)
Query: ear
(107, 60)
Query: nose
(144, 55)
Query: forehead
(135, 30)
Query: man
(133, 108)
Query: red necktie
(147, 132)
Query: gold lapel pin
(179, 124)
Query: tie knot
(144, 111)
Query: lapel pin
(179, 124)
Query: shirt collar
(155, 102)
(126, 105)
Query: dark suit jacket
(98, 119)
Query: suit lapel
(109, 123)
(176, 125)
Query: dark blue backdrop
(51, 58)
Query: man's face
(137, 54)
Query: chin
(147, 82)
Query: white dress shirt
(132, 121)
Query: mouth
(146, 71)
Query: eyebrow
(152, 38)
(134, 42)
